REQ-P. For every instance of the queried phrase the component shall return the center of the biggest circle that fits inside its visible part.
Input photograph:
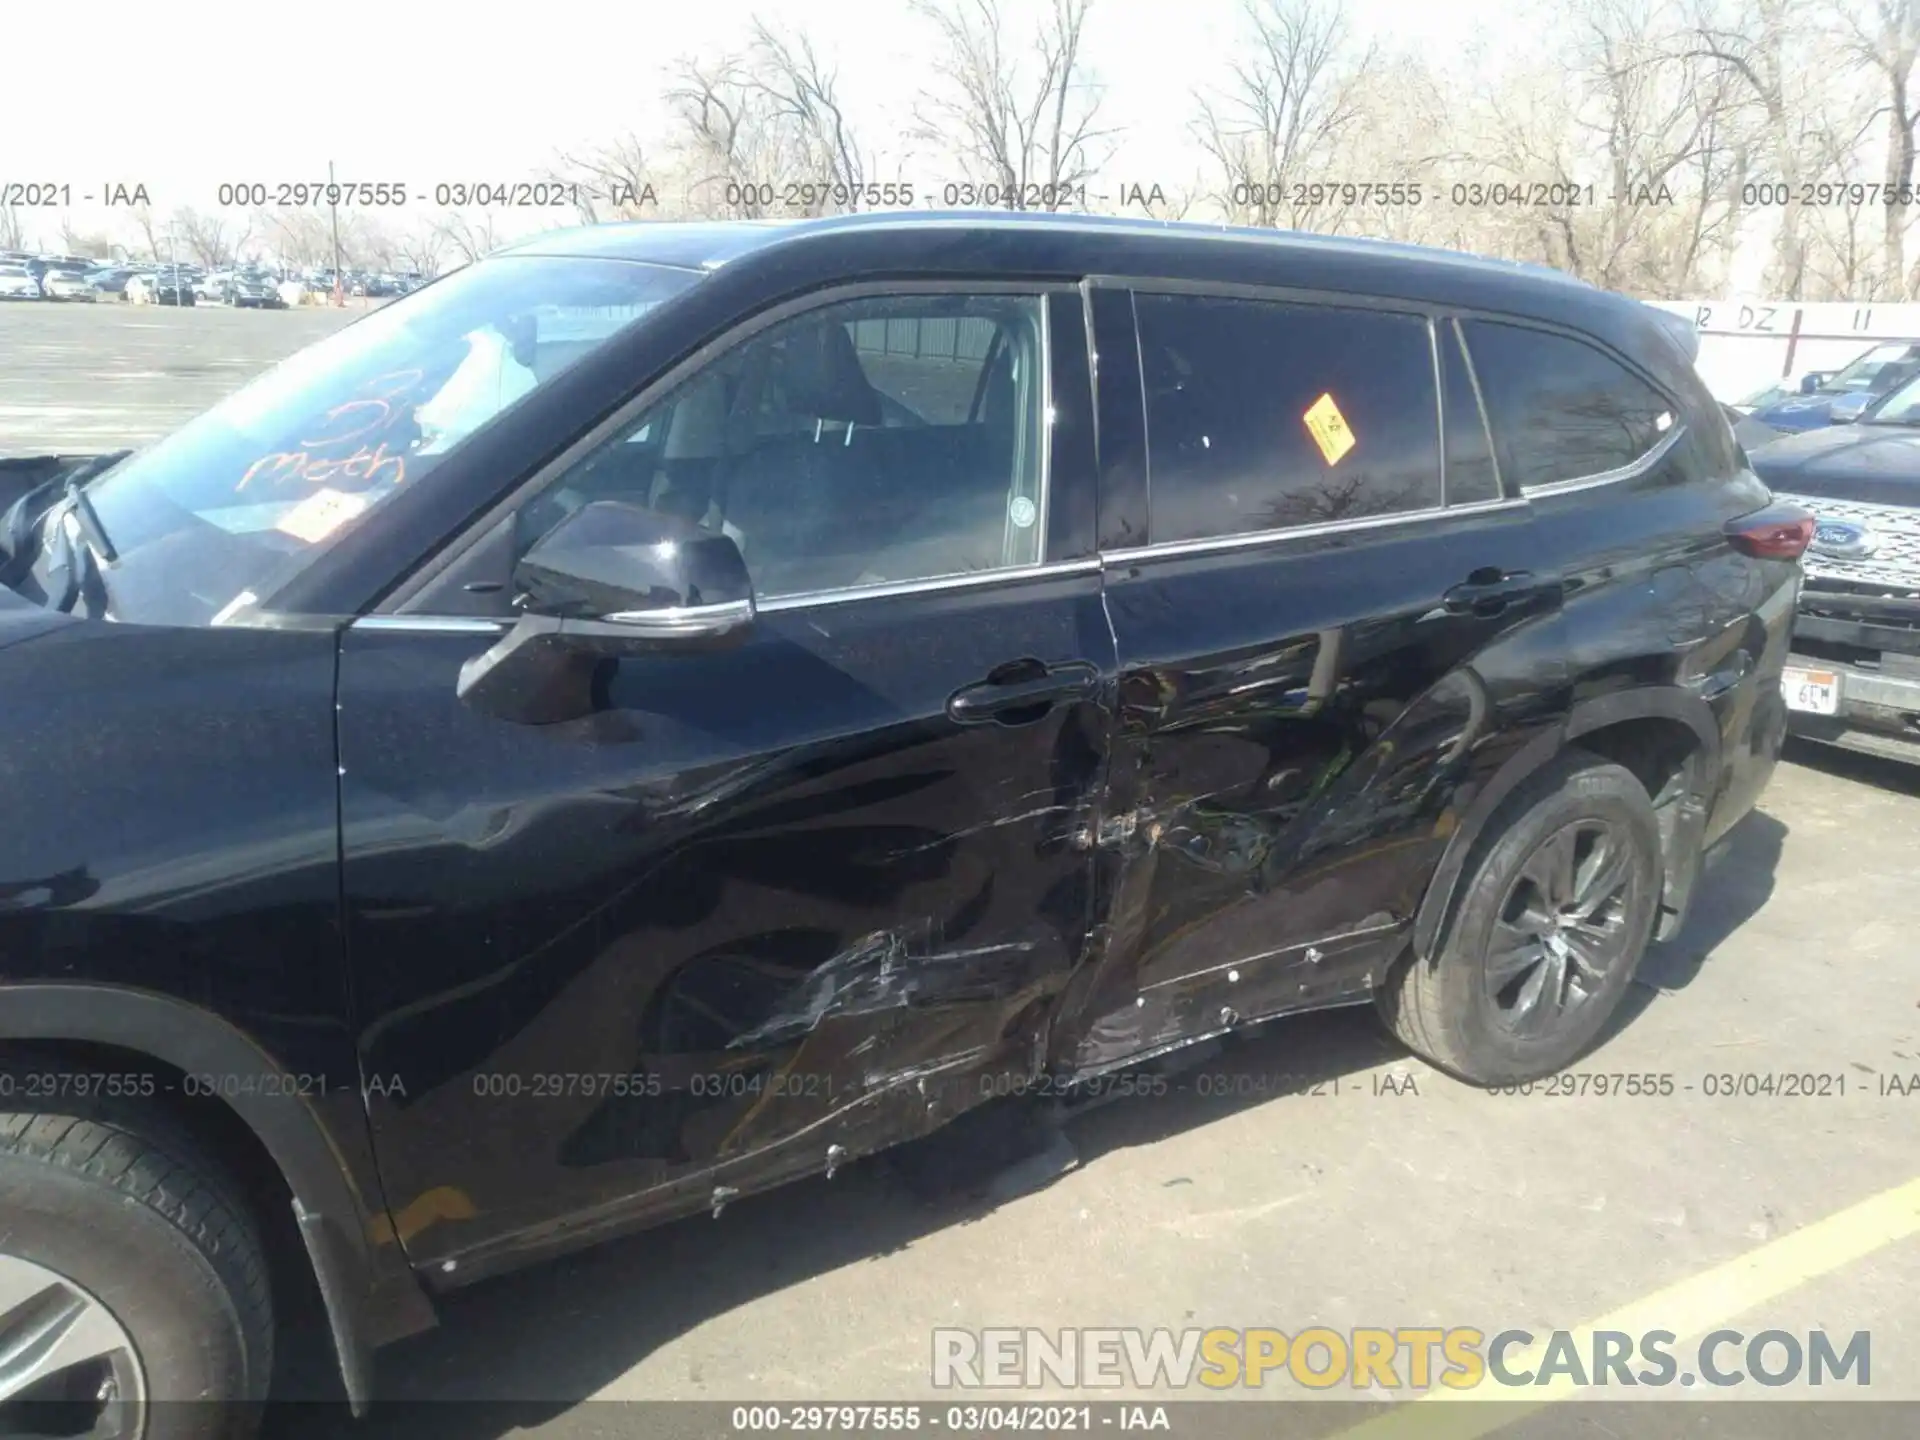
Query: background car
(67, 280)
(245, 291)
(1854, 677)
(1804, 384)
(1882, 369)
(161, 288)
(18, 283)
(110, 279)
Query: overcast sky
(235, 90)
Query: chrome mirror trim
(680, 621)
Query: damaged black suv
(666, 708)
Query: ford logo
(1844, 541)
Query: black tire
(1461, 1010)
(119, 1202)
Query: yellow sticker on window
(1329, 429)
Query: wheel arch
(369, 1297)
(1665, 734)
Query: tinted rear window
(1263, 415)
(1561, 408)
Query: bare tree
(94, 244)
(615, 181)
(370, 242)
(468, 235)
(766, 132)
(1651, 117)
(1761, 42)
(1890, 46)
(300, 238)
(1410, 138)
(1845, 250)
(144, 223)
(420, 249)
(802, 97)
(13, 234)
(207, 238)
(1285, 112)
(731, 149)
(1025, 127)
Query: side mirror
(611, 579)
(1849, 409)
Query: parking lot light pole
(333, 207)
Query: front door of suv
(1329, 622)
(772, 904)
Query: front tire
(132, 1279)
(1556, 909)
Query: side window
(869, 441)
(1561, 409)
(1263, 415)
(1470, 473)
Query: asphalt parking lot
(83, 377)
(1309, 1174)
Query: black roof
(707, 245)
(759, 262)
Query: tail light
(1779, 532)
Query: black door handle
(1489, 591)
(1022, 686)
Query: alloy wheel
(1562, 928)
(67, 1365)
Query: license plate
(1815, 691)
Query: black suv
(666, 709)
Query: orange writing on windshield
(381, 417)
(364, 464)
(381, 403)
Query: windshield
(1880, 368)
(227, 510)
(1902, 407)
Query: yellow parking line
(1688, 1309)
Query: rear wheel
(133, 1289)
(1557, 907)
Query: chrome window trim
(432, 624)
(1630, 471)
(1273, 293)
(1439, 403)
(886, 590)
(729, 339)
(1257, 538)
(973, 580)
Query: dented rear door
(773, 907)
(1324, 632)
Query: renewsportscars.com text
(1402, 1358)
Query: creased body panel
(1658, 599)
(1300, 722)
(767, 901)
